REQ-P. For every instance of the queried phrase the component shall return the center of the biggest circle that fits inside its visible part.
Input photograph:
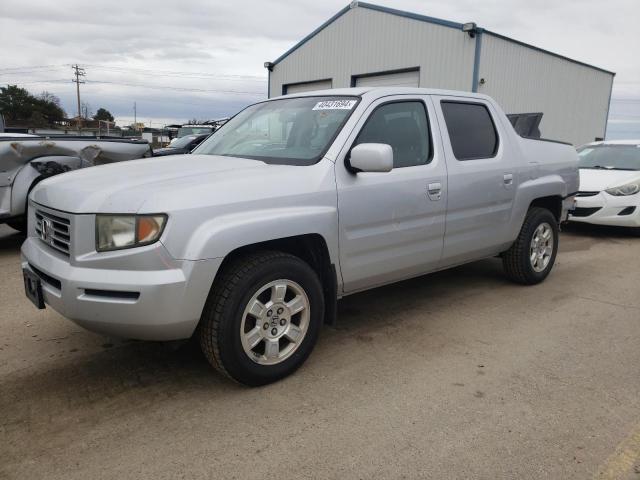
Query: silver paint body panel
(379, 227)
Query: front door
(392, 223)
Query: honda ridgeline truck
(297, 201)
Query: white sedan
(609, 184)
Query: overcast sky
(203, 59)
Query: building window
(471, 130)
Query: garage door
(306, 86)
(398, 79)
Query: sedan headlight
(115, 232)
(624, 190)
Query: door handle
(508, 178)
(434, 190)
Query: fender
(546, 186)
(219, 236)
(36, 170)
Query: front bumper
(154, 304)
(605, 209)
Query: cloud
(204, 59)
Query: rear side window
(404, 126)
(471, 130)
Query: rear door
(392, 223)
(481, 179)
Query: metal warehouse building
(370, 45)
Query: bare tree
(85, 108)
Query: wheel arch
(545, 192)
(311, 248)
(553, 203)
(35, 171)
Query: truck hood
(158, 183)
(596, 180)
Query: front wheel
(262, 318)
(532, 255)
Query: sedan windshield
(289, 131)
(610, 157)
(182, 131)
(183, 142)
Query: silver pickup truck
(249, 241)
(26, 160)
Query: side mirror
(371, 157)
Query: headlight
(114, 232)
(624, 190)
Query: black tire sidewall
(538, 217)
(234, 359)
(18, 224)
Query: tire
(228, 330)
(518, 263)
(19, 224)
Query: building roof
(426, 19)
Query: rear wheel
(532, 255)
(262, 317)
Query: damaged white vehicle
(25, 161)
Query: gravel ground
(458, 374)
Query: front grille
(584, 212)
(586, 194)
(54, 230)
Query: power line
(173, 73)
(33, 67)
(30, 72)
(139, 85)
(138, 71)
(179, 89)
(58, 80)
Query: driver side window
(403, 126)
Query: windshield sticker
(335, 105)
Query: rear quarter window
(471, 130)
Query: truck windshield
(289, 131)
(610, 157)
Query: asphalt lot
(459, 374)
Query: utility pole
(79, 72)
(135, 118)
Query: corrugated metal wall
(367, 41)
(573, 97)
